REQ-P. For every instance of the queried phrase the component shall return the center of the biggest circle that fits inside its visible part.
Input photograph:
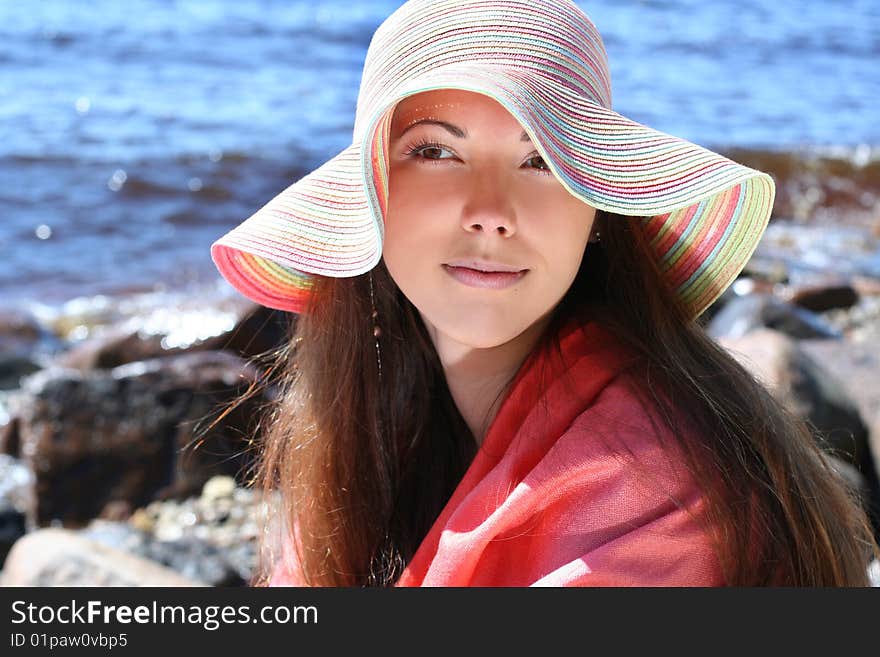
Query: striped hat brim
(703, 212)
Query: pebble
(218, 487)
(225, 516)
(861, 322)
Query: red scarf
(571, 487)
(546, 503)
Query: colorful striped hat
(543, 61)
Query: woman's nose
(489, 210)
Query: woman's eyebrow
(453, 129)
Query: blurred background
(133, 134)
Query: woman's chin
(482, 333)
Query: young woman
(497, 375)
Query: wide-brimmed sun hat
(543, 61)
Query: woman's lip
(476, 278)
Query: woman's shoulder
(621, 425)
(613, 395)
(616, 484)
(630, 411)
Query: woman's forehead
(443, 103)
(446, 100)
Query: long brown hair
(363, 470)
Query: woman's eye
(426, 151)
(433, 152)
(542, 166)
(430, 151)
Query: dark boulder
(755, 311)
(819, 393)
(819, 297)
(22, 340)
(256, 332)
(148, 430)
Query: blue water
(133, 134)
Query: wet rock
(192, 557)
(59, 557)
(857, 366)
(866, 286)
(749, 313)
(116, 346)
(21, 337)
(812, 391)
(118, 510)
(859, 323)
(12, 527)
(257, 330)
(18, 324)
(852, 477)
(820, 250)
(218, 488)
(224, 515)
(16, 482)
(212, 537)
(14, 366)
(136, 433)
(743, 286)
(767, 270)
(820, 297)
(9, 438)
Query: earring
(376, 330)
(597, 237)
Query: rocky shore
(123, 461)
(135, 442)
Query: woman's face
(477, 190)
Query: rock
(257, 331)
(135, 433)
(12, 528)
(18, 324)
(116, 346)
(741, 287)
(859, 323)
(816, 394)
(13, 366)
(192, 557)
(866, 286)
(218, 487)
(21, 336)
(116, 510)
(770, 270)
(196, 559)
(745, 314)
(231, 523)
(142, 521)
(852, 477)
(10, 443)
(16, 482)
(820, 297)
(857, 366)
(874, 572)
(59, 557)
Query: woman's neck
(478, 378)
